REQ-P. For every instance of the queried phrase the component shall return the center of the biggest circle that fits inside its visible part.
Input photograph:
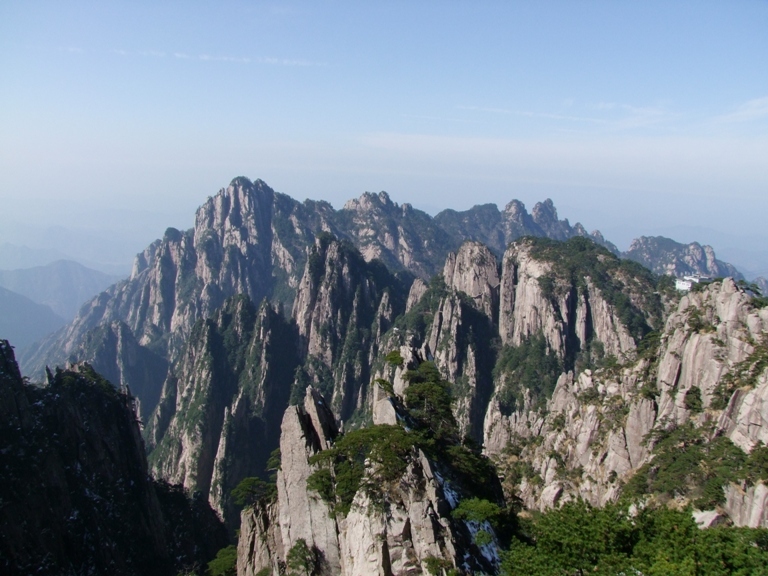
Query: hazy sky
(634, 117)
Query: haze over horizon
(636, 119)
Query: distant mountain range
(62, 285)
(23, 321)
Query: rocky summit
(375, 391)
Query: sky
(118, 119)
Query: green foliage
(386, 385)
(693, 400)
(373, 458)
(697, 323)
(530, 366)
(341, 468)
(579, 539)
(756, 469)
(743, 375)
(421, 314)
(439, 566)
(83, 378)
(394, 358)
(264, 572)
(274, 461)
(225, 563)
(686, 465)
(428, 399)
(477, 510)
(250, 490)
(579, 258)
(301, 560)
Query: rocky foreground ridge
(580, 375)
(75, 496)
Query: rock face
(395, 538)
(665, 256)
(249, 239)
(75, 491)
(399, 236)
(343, 306)
(218, 416)
(593, 433)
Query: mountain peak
(370, 201)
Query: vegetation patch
(742, 375)
(578, 539)
(420, 316)
(374, 458)
(580, 258)
(686, 465)
(531, 368)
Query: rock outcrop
(596, 431)
(408, 524)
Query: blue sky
(634, 117)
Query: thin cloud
(71, 49)
(749, 111)
(209, 58)
(634, 116)
(288, 62)
(271, 61)
(531, 114)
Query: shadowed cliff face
(75, 491)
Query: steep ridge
(343, 306)
(497, 228)
(609, 431)
(665, 256)
(591, 375)
(561, 305)
(248, 240)
(581, 375)
(399, 236)
(218, 417)
(396, 521)
(75, 492)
